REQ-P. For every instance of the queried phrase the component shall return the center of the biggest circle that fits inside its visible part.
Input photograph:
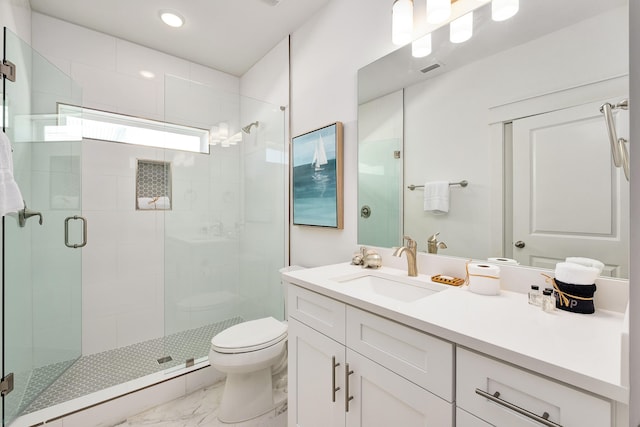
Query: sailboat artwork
(317, 177)
(319, 155)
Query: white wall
(16, 16)
(123, 267)
(326, 53)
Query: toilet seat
(249, 336)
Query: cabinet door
(311, 375)
(382, 398)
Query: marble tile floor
(200, 409)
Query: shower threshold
(101, 377)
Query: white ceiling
(228, 35)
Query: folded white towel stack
(436, 197)
(150, 203)
(10, 196)
(576, 274)
(587, 262)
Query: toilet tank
(284, 287)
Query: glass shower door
(41, 274)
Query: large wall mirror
(515, 111)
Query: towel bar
(462, 183)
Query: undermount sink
(388, 287)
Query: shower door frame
(42, 326)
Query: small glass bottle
(548, 301)
(535, 297)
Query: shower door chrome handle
(84, 232)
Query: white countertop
(578, 349)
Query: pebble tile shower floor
(98, 371)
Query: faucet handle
(410, 242)
(433, 237)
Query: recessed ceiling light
(172, 19)
(147, 74)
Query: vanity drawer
(518, 388)
(465, 419)
(422, 359)
(323, 314)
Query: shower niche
(153, 185)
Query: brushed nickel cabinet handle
(495, 397)
(347, 398)
(333, 378)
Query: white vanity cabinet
(507, 396)
(348, 367)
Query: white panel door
(311, 374)
(568, 198)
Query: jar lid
(535, 287)
(546, 292)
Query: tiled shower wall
(123, 263)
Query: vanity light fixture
(438, 11)
(421, 47)
(171, 18)
(461, 29)
(402, 22)
(502, 10)
(214, 135)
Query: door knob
(365, 211)
(519, 244)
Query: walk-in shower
(180, 244)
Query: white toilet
(247, 353)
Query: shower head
(247, 128)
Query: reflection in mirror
(515, 111)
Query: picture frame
(317, 177)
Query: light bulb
(461, 29)
(172, 19)
(504, 9)
(402, 22)
(421, 47)
(438, 11)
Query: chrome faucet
(410, 251)
(433, 244)
(25, 214)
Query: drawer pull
(333, 379)
(347, 398)
(544, 419)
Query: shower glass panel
(224, 237)
(42, 276)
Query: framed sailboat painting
(316, 177)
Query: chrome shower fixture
(247, 128)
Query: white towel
(576, 274)
(10, 196)
(150, 203)
(587, 262)
(436, 197)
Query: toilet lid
(250, 336)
